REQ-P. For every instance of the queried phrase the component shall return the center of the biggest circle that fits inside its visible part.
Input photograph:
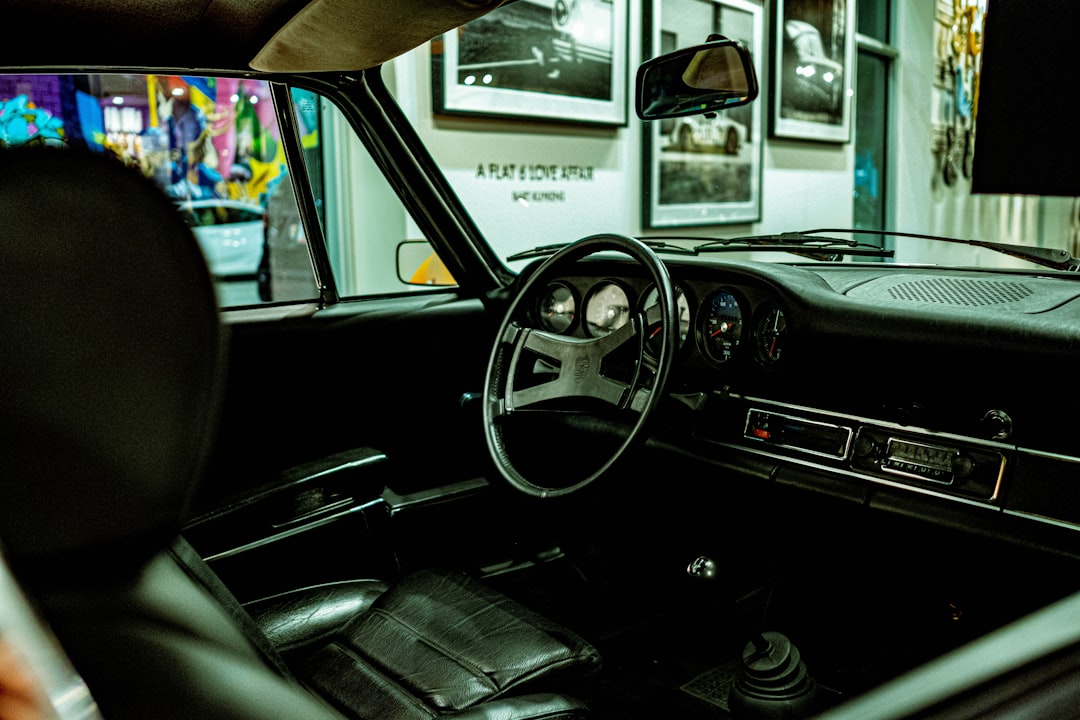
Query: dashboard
(936, 391)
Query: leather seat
(111, 366)
(436, 642)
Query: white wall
(613, 199)
(804, 184)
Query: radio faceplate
(963, 469)
(920, 461)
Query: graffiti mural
(22, 122)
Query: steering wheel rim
(579, 360)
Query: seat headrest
(110, 358)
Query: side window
(212, 144)
(373, 244)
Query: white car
(703, 134)
(230, 232)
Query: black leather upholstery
(152, 644)
(110, 375)
(438, 642)
(295, 621)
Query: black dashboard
(939, 392)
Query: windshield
(528, 111)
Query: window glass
(871, 136)
(363, 220)
(874, 19)
(212, 144)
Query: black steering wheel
(577, 382)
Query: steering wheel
(579, 383)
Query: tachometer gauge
(557, 308)
(770, 332)
(652, 334)
(607, 309)
(720, 326)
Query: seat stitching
(392, 684)
(462, 662)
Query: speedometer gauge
(720, 326)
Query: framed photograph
(701, 170)
(813, 62)
(555, 60)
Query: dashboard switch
(865, 447)
(998, 424)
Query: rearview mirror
(695, 80)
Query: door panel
(382, 376)
(385, 374)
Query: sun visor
(1025, 136)
(330, 35)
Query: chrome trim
(283, 486)
(877, 423)
(1048, 455)
(842, 456)
(340, 467)
(756, 403)
(312, 514)
(397, 503)
(1045, 520)
(261, 542)
(856, 475)
(1000, 480)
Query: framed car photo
(813, 60)
(703, 169)
(555, 60)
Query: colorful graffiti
(221, 135)
(22, 122)
(197, 137)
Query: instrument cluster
(718, 322)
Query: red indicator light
(761, 433)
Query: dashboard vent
(958, 291)
(1019, 295)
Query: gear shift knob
(702, 568)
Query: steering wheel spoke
(578, 366)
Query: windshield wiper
(1046, 257)
(544, 250)
(828, 249)
(815, 244)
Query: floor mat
(713, 685)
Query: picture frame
(543, 68)
(813, 69)
(699, 170)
